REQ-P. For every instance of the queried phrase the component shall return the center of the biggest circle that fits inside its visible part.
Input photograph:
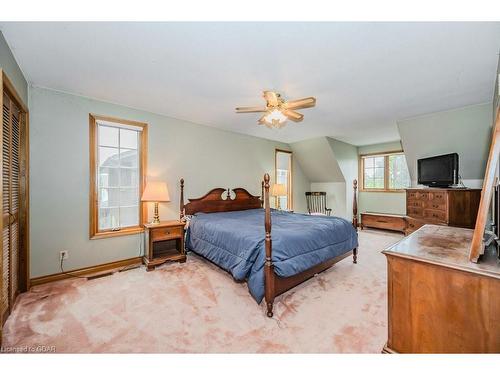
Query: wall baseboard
(87, 271)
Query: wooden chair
(316, 203)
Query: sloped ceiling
(325, 159)
(346, 156)
(316, 158)
(466, 131)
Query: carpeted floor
(197, 308)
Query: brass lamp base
(156, 217)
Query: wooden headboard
(219, 200)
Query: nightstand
(164, 242)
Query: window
(384, 172)
(283, 175)
(117, 170)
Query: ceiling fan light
(277, 111)
(275, 118)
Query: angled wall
(317, 160)
(330, 165)
(346, 156)
(466, 131)
(9, 65)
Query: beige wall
(205, 157)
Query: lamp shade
(278, 190)
(156, 191)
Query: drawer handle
(435, 206)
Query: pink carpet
(197, 308)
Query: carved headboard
(219, 200)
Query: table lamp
(278, 190)
(156, 191)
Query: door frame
(290, 176)
(24, 242)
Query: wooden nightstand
(164, 242)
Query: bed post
(355, 217)
(181, 208)
(262, 195)
(355, 205)
(268, 266)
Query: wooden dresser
(439, 301)
(453, 207)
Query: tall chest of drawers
(453, 207)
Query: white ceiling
(365, 76)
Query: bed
(235, 234)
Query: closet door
(10, 203)
(5, 209)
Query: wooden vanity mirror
(477, 244)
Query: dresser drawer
(435, 215)
(415, 203)
(414, 211)
(437, 196)
(166, 233)
(418, 195)
(436, 205)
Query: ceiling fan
(277, 110)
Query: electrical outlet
(63, 255)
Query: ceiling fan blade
(301, 103)
(250, 109)
(292, 115)
(271, 98)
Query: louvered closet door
(5, 206)
(10, 202)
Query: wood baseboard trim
(86, 271)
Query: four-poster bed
(229, 232)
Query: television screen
(441, 171)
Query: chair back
(316, 203)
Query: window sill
(118, 233)
(382, 191)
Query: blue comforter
(235, 241)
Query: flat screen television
(438, 171)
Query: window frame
(361, 169)
(289, 195)
(94, 231)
